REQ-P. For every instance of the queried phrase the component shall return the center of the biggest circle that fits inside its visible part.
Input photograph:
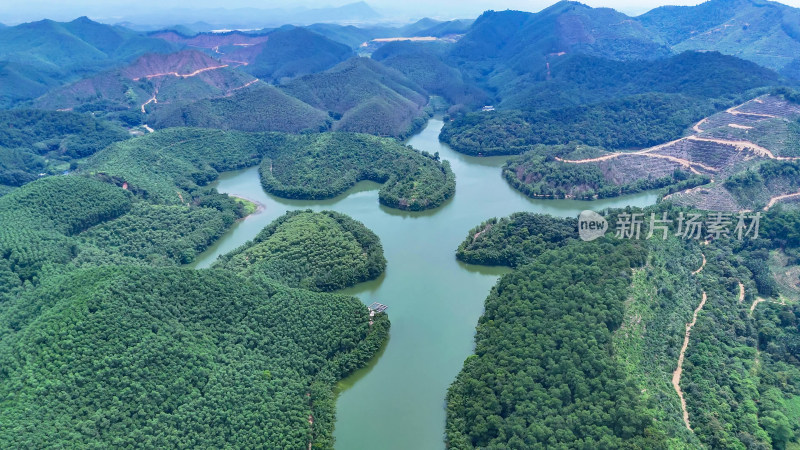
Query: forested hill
(163, 356)
(518, 40)
(43, 142)
(291, 52)
(38, 56)
(89, 282)
(596, 343)
(173, 165)
(364, 96)
(150, 82)
(318, 251)
(761, 31)
(644, 103)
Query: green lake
(397, 402)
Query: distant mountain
(151, 81)
(765, 32)
(39, 55)
(522, 40)
(210, 41)
(433, 27)
(252, 18)
(350, 35)
(291, 52)
(364, 96)
(355, 36)
(80, 46)
(274, 55)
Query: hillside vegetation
(172, 165)
(767, 33)
(38, 56)
(34, 142)
(154, 351)
(560, 361)
(621, 104)
(292, 52)
(364, 96)
(152, 81)
(168, 357)
(425, 64)
(318, 251)
(260, 108)
(325, 165)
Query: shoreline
(260, 207)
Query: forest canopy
(322, 251)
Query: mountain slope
(293, 52)
(271, 55)
(761, 31)
(424, 64)
(153, 80)
(153, 349)
(519, 40)
(258, 108)
(45, 53)
(364, 95)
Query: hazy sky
(15, 11)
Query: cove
(397, 401)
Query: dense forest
(34, 142)
(318, 251)
(543, 373)
(741, 375)
(325, 165)
(172, 165)
(607, 103)
(128, 356)
(636, 121)
(514, 240)
(261, 108)
(86, 284)
(365, 97)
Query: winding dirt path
(755, 303)
(701, 265)
(249, 83)
(647, 153)
(742, 145)
(153, 99)
(181, 75)
(696, 127)
(778, 198)
(733, 111)
(741, 292)
(676, 376)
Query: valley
(333, 227)
(434, 301)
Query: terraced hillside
(743, 156)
